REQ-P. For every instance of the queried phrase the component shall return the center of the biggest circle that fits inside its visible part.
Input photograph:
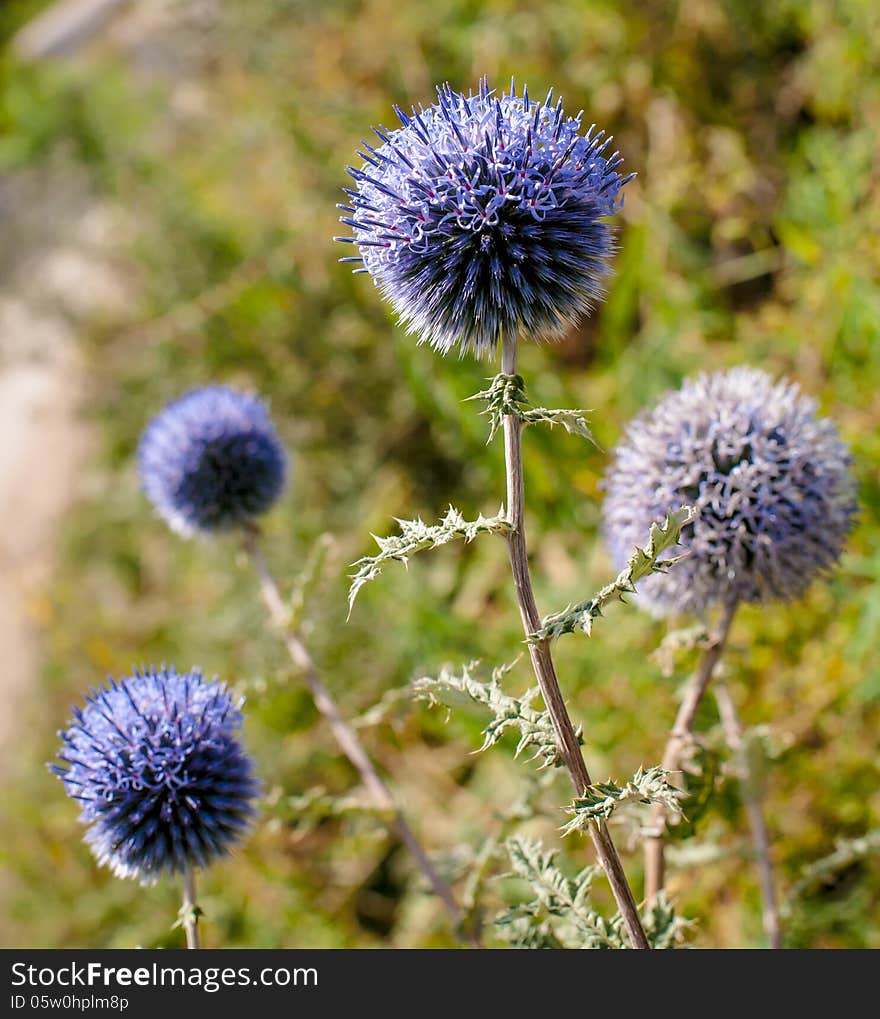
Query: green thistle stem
(542, 661)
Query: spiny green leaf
(642, 563)
(560, 909)
(602, 798)
(506, 397)
(522, 930)
(535, 727)
(531, 862)
(560, 913)
(415, 536)
(663, 927)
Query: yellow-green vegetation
(749, 237)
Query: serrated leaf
(642, 563)
(506, 397)
(535, 727)
(560, 913)
(416, 536)
(560, 908)
(602, 798)
(663, 927)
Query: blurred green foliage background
(750, 236)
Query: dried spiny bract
(162, 779)
(212, 461)
(486, 215)
(770, 481)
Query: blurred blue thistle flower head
(770, 479)
(212, 461)
(162, 779)
(486, 215)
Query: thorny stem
(733, 735)
(542, 661)
(190, 912)
(682, 731)
(344, 734)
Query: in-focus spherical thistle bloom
(486, 215)
(770, 479)
(212, 460)
(157, 767)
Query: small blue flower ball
(486, 215)
(157, 767)
(212, 461)
(770, 479)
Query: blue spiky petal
(212, 461)
(156, 765)
(771, 481)
(486, 215)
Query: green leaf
(535, 727)
(642, 563)
(602, 798)
(559, 911)
(663, 927)
(415, 536)
(506, 397)
(560, 915)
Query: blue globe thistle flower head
(486, 215)
(211, 461)
(771, 482)
(157, 766)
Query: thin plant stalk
(542, 662)
(733, 735)
(190, 911)
(679, 738)
(345, 735)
